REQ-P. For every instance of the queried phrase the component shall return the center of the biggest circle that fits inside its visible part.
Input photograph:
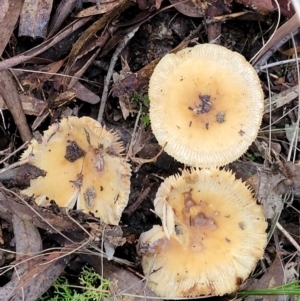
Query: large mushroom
(83, 162)
(213, 234)
(206, 105)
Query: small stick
(14, 152)
(13, 102)
(288, 236)
(296, 5)
(134, 206)
(274, 64)
(21, 58)
(132, 139)
(122, 44)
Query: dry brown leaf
(85, 94)
(27, 237)
(9, 14)
(33, 273)
(60, 99)
(269, 189)
(273, 276)
(291, 51)
(78, 69)
(261, 6)
(244, 169)
(81, 66)
(285, 30)
(286, 8)
(124, 100)
(41, 272)
(19, 176)
(89, 45)
(281, 99)
(293, 172)
(125, 105)
(34, 18)
(219, 8)
(140, 139)
(91, 32)
(187, 8)
(30, 105)
(63, 10)
(124, 281)
(199, 8)
(40, 75)
(25, 56)
(61, 222)
(94, 10)
(28, 241)
(11, 98)
(134, 82)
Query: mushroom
(212, 236)
(83, 163)
(206, 105)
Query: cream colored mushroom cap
(105, 187)
(217, 236)
(206, 105)
(61, 182)
(83, 162)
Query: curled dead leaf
(261, 6)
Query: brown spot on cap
(241, 225)
(89, 197)
(74, 152)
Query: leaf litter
(54, 63)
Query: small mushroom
(83, 163)
(213, 234)
(206, 105)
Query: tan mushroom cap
(83, 163)
(61, 180)
(206, 105)
(107, 178)
(217, 236)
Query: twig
(14, 152)
(122, 44)
(3, 120)
(294, 60)
(134, 206)
(59, 75)
(294, 141)
(298, 73)
(132, 140)
(281, 99)
(21, 58)
(288, 236)
(270, 120)
(13, 102)
(80, 246)
(296, 5)
(78, 224)
(12, 166)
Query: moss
(93, 288)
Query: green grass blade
(292, 288)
